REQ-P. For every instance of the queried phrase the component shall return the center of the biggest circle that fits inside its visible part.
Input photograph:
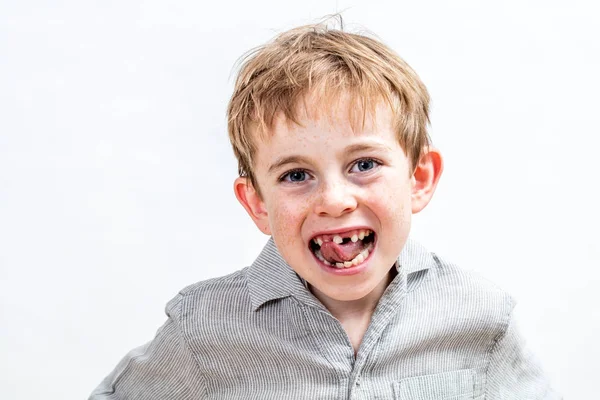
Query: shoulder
(231, 282)
(214, 295)
(459, 279)
(463, 295)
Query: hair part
(323, 64)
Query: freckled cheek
(287, 219)
(392, 208)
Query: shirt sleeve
(162, 369)
(514, 372)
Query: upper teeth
(354, 236)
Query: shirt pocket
(453, 385)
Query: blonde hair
(276, 77)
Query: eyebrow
(360, 147)
(280, 162)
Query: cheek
(287, 217)
(393, 207)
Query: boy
(329, 129)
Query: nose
(335, 199)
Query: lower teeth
(362, 256)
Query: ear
(425, 178)
(252, 203)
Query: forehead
(347, 118)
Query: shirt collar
(271, 278)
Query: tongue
(334, 252)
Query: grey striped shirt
(437, 333)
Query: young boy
(330, 131)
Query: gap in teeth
(339, 240)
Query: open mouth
(343, 250)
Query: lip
(353, 270)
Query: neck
(363, 307)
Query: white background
(116, 172)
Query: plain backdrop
(116, 171)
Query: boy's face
(322, 183)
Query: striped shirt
(438, 332)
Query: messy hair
(324, 62)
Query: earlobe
(252, 203)
(425, 178)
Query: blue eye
(294, 176)
(364, 165)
